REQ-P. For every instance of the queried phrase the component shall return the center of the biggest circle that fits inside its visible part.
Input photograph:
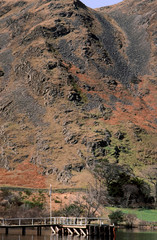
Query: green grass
(149, 215)
(62, 190)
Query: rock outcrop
(78, 89)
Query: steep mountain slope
(78, 90)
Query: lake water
(46, 235)
(136, 235)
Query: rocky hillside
(78, 93)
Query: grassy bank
(148, 215)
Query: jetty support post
(39, 231)
(23, 231)
(112, 231)
(6, 231)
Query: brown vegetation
(78, 91)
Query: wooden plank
(74, 226)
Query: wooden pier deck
(61, 225)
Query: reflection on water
(51, 237)
(46, 235)
(43, 237)
(136, 235)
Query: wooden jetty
(61, 225)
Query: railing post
(32, 222)
(19, 221)
(86, 221)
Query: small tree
(116, 217)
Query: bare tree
(130, 219)
(95, 196)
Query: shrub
(33, 204)
(71, 211)
(57, 201)
(5, 192)
(27, 192)
(116, 217)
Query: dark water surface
(136, 235)
(46, 235)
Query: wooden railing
(71, 221)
